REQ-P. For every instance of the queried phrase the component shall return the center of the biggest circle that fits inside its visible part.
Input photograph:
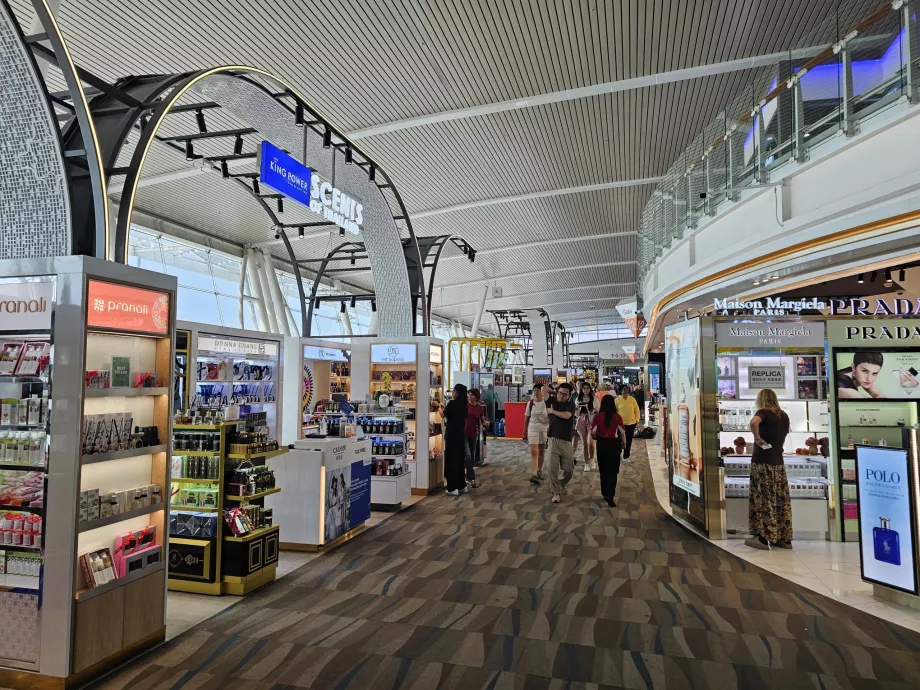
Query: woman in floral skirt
(769, 509)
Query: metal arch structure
(346, 250)
(437, 244)
(103, 116)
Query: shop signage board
(877, 306)
(764, 334)
(324, 354)
(359, 493)
(121, 372)
(233, 346)
(769, 306)
(682, 361)
(124, 308)
(886, 517)
(766, 377)
(393, 354)
(435, 355)
(629, 311)
(875, 358)
(26, 306)
(284, 174)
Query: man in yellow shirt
(628, 409)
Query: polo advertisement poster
(885, 525)
(682, 364)
(877, 374)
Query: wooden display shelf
(188, 480)
(121, 454)
(10, 581)
(121, 517)
(196, 427)
(264, 454)
(255, 496)
(193, 509)
(255, 534)
(198, 453)
(24, 549)
(16, 467)
(124, 392)
(91, 592)
(22, 509)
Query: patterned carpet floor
(500, 589)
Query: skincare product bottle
(887, 543)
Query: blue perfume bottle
(887, 543)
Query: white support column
(266, 293)
(243, 286)
(277, 296)
(479, 312)
(344, 316)
(256, 284)
(373, 327)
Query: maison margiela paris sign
(771, 306)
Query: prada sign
(871, 332)
(894, 306)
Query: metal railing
(843, 72)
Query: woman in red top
(607, 428)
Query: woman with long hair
(455, 447)
(607, 428)
(585, 403)
(769, 507)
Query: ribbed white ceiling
(366, 63)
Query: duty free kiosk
(327, 494)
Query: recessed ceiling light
(756, 282)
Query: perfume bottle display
(887, 543)
(907, 378)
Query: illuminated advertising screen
(682, 367)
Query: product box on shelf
(98, 378)
(34, 359)
(98, 567)
(20, 529)
(191, 524)
(136, 550)
(9, 357)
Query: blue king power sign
(284, 173)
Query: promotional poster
(682, 364)
(877, 374)
(337, 515)
(359, 495)
(885, 522)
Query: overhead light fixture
(255, 185)
(327, 138)
(872, 276)
(342, 309)
(189, 150)
(277, 233)
(373, 305)
(224, 170)
(348, 154)
(144, 120)
(199, 118)
(238, 145)
(300, 232)
(298, 115)
(280, 205)
(352, 259)
(341, 232)
(756, 282)
(901, 276)
(354, 302)
(372, 172)
(859, 279)
(317, 304)
(888, 282)
(775, 277)
(472, 255)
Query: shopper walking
(472, 432)
(536, 426)
(454, 416)
(585, 403)
(628, 409)
(769, 508)
(607, 428)
(561, 455)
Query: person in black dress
(454, 416)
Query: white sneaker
(453, 493)
(465, 490)
(556, 498)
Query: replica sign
(766, 377)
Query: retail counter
(514, 419)
(327, 491)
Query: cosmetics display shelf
(197, 453)
(388, 457)
(9, 581)
(255, 534)
(21, 427)
(14, 467)
(123, 454)
(23, 509)
(264, 455)
(23, 379)
(121, 517)
(124, 392)
(84, 594)
(196, 427)
(23, 549)
(187, 480)
(253, 497)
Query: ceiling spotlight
(199, 118)
(189, 150)
(887, 282)
(317, 304)
(466, 249)
(354, 302)
(255, 185)
(372, 172)
(348, 154)
(300, 232)
(472, 255)
(280, 205)
(298, 115)
(327, 138)
(901, 276)
(775, 277)
(859, 279)
(756, 282)
(352, 259)
(342, 308)
(872, 276)
(373, 305)
(341, 232)
(277, 233)
(144, 120)
(224, 170)
(238, 145)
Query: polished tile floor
(829, 568)
(501, 589)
